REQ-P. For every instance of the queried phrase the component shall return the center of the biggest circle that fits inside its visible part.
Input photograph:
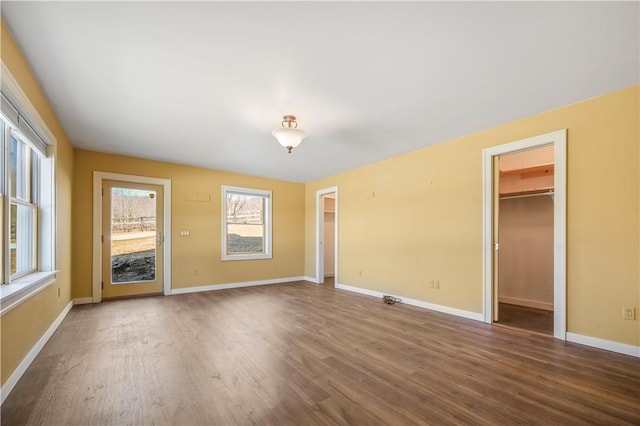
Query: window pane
(22, 241)
(3, 171)
(3, 246)
(133, 235)
(21, 173)
(33, 176)
(14, 165)
(242, 208)
(3, 191)
(245, 239)
(245, 223)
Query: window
(23, 210)
(26, 205)
(246, 224)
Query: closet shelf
(531, 172)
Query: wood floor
(311, 355)
(526, 318)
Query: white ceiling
(204, 83)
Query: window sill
(246, 257)
(20, 290)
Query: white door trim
(320, 234)
(559, 141)
(98, 177)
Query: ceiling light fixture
(289, 135)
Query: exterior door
(132, 240)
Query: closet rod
(550, 192)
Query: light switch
(185, 232)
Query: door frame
(320, 235)
(559, 141)
(98, 177)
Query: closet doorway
(327, 236)
(524, 234)
(524, 216)
(329, 245)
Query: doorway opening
(524, 219)
(524, 234)
(131, 235)
(327, 236)
(132, 239)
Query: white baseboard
(360, 290)
(419, 303)
(607, 345)
(235, 285)
(82, 301)
(32, 354)
(526, 302)
(311, 280)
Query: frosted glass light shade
(289, 137)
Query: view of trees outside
(132, 210)
(245, 223)
(133, 235)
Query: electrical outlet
(431, 284)
(629, 313)
(196, 272)
(437, 285)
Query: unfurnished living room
(320, 213)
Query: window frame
(267, 214)
(33, 203)
(21, 119)
(35, 239)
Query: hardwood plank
(305, 354)
(532, 319)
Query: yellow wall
(425, 221)
(201, 250)
(23, 326)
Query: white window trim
(267, 224)
(22, 289)
(11, 87)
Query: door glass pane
(133, 235)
